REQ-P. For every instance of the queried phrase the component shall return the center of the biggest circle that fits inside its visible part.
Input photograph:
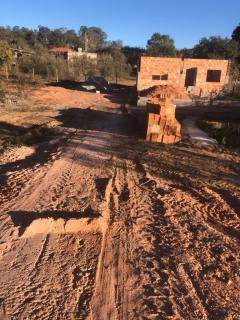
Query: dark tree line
(114, 58)
(208, 48)
(214, 47)
(111, 63)
(43, 37)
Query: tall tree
(120, 66)
(216, 48)
(161, 46)
(84, 67)
(236, 34)
(92, 39)
(133, 54)
(71, 39)
(106, 65)
(185, 53)
(43, 35)
(5, 34)
(57, 38)
(6, 56)
(31, 38)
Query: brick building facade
(197, 76)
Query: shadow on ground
(112, 136)
(116, 121)
(213, 113)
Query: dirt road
(104, 226)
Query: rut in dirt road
(156, 252)
(110, 227)
(53, 222)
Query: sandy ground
(72, 98)
(106, 226)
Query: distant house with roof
(69, 54)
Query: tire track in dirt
(115, 275)
(182, 234)
(21, 173)
(18, 185)
(148, 241)
(52, 272)
(156, 278)
(189, 218)
(40, 256)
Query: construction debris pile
(168, 91)
(163, 126)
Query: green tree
(31, 38)
(216, 48)
(43, 35)
(236, 34)
(71, 39)
(23, 38)
(44, 65)
(133, 55)
(84, 67)
(57, 38)
(5, 33)
(120, 66)
(161, 46)
(6, 56)
(185, 53)
(92, 39)
(114, 59)
(106, 65)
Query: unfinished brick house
(197, 76)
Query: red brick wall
(176, 70)
(164, 127)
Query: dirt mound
(166, 91)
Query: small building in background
(69, 54)
(199, 77)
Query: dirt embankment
(105, 226)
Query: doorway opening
(191, 77)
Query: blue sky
(133, 21)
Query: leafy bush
(43, 65)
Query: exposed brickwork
(178, 68)
(164, 127)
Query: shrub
(43, 65)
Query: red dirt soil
(104, 226)
(71, 98)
